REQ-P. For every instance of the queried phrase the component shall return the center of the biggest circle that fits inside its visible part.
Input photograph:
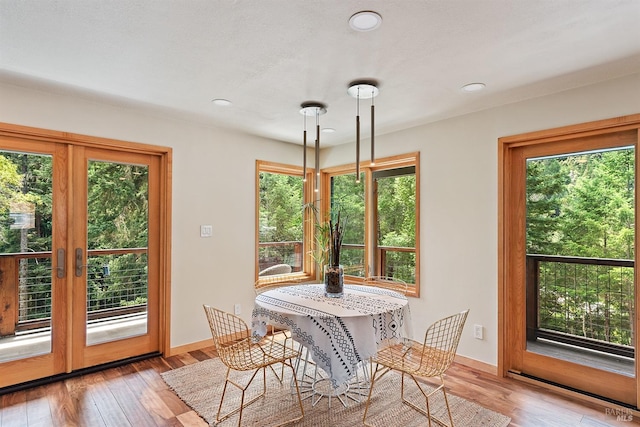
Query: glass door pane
(26, 225)
(117, 241)
(580, 258)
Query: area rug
(200, 386)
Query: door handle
(60, 267)
(79, 264)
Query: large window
(382, 218)
(283, 228)
(394, 196)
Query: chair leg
(427, 413)
(446, 401)
(379, 372)
(366, 408)
(224, 391)
(243, 390)
(295, 381)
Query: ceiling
(269, 56)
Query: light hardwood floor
(135, 395)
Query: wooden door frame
(509, 300)
(164, 154)
(83, 354)
(48, 364)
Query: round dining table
(339, 333)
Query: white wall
(213, 183)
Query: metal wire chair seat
(240, 352)
(245, 356)
(428, 359)
(267, 283)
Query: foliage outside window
(282, 230)
(580, 207)
(347, 196)
(381, 240)
(118, 210)
(394, 194)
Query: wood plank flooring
(135, 395)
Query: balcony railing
(116, 285)
(272, 253)
(585, 302)
(393, 261)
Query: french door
(568, 292)
(80, 256)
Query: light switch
(206, 230)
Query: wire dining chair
(428, 359)
(239, 352)
(264, 284)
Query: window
(382, 213)
(348, 197)
(283, 229)
(394, 195)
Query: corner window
(282, 230)
(382, 213)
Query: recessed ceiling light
(221, 102)
(365, 20)
(473, 87)
(328, 130)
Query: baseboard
(190, 347)
(476, 364)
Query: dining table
(339, 333)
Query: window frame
(308, 242)
(393, 162)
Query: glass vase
(333, 281)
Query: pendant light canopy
(359, 89)
(312, 109)
(364, 89)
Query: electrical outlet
(206, 231)
(478, 332)
(237, 309)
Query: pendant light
(313, 109)
(364, 89)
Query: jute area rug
(200, 386)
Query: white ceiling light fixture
(366, 20)
(364, 89)
(313, 109)
(473, 87)
(221, 102)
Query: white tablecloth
(339, 332)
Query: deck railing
(272, 253)
(116, 285)
(394, 261)
(585, 302)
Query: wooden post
(8, 296)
